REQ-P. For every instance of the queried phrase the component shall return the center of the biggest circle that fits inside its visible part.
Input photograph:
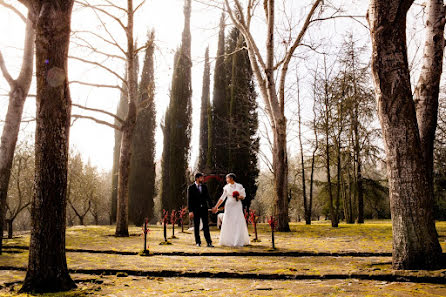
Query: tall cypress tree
(220, 106)
(204, 117)
(235, 118)
(243, 142)
(177, 125)
(142, 173)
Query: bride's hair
(231, 175)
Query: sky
(95, 142)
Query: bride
(234, 231)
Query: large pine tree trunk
(415, 240)
(47, 266)
(17, 96)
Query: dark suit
(198, 203)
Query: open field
(317, 260)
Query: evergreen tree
(235, 118)
(205, 118)
(220, 107)
(177, 124)
(142, 173)
(243, 142)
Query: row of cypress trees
(228, 134)
(228, 126)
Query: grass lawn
(316, 260)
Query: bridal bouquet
(236, 194)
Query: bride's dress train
(234, 231)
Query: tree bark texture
(47, 266)
(415, 240)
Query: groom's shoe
(199, 244)
(210, 245)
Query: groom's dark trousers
(198, 202)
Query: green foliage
(348, 139)
(243, 142)
(142, 167)
(177, 126)
(220, 108)
(233, 142)
(87, 193)
(205, 117)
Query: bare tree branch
(96, 85)
(139, 6)
(111, 4)
(290, 52)
(97, 8)
(99, 110)
(113, 42)
(15, 10)
(78, 116)
(5, 71)
(101, 66)
(95, 50)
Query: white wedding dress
(234, 231)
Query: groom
(198, 201)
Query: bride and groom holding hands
(234, 231)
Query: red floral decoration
(145, 228)
(253, 217)
(173, 217)
(182, 213)
(165, 219)
(272, 223)
(235, 194)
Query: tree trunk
(280, 164)
(313, 163)
(427, 89)
(128, 128)
(17, 96)
(121, 112)
(47, 266)
(307, 210)
(310, 202)
(359, 191)
(415, 240)
(338, 181)
(115, 173)
(7, 147)
(122, 221)
(10, 225)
